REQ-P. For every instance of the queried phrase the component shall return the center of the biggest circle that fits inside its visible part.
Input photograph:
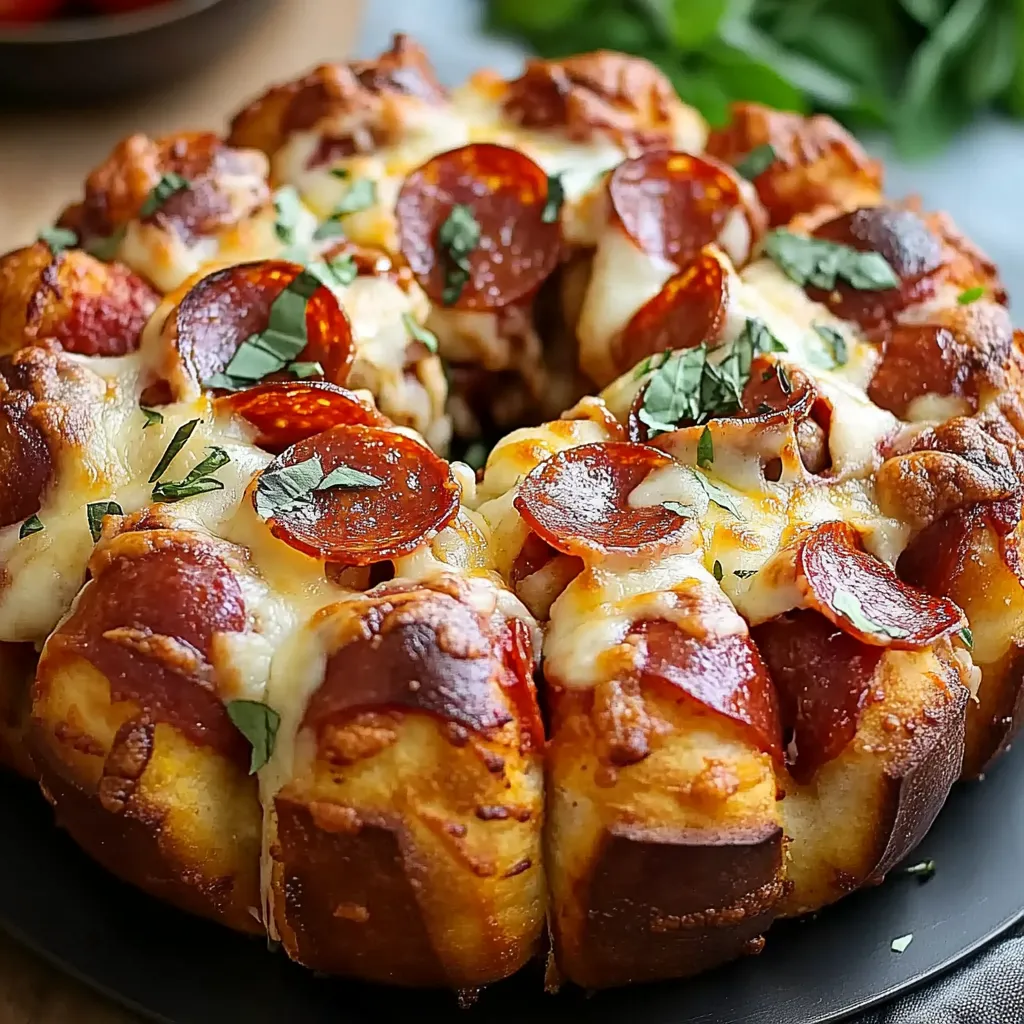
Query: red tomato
(28, 10)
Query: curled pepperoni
(673, 204)
(362, 525)
(506, 194)
(823, 679)
(909, 246)
(147, 621)
(286, 412)
(724, 673)
(690, 308)
(578, 502)
(864, 597)
(229, 306)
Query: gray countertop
(978, 179)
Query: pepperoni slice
(417, 497)
(506, 194)
(673, 204)
(690, 308)
(823, 679)
(864, 597)
(230, 305)
(26, 466)
(578, 502)
(286, 412)
(147, 621)
(912, 250)
(724, 673)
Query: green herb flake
(475, 455)
(419, 333)
(966, 637)
(340, 172)
(152, 416)
(345, 476)
(58, 239)
(744, 574)
(303, 371)
(900, 945)
(258, 723)
(288, 211)
(198, 481)
(817, 262)
(705, 449)
(965, 298)
(170, 184)
(848, 604)
(835, 344)
(328, 229)
(716, 570)
(31, 525)
(720, 497)
(757, 161)
(457, 237)
(922, 871)
(180, 439)
(105, 247)
(556, 197)
(288, 488)
(94, 513)
(686, 511)
(361, 195)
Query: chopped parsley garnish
(556, 197)
(705, 449)
(687, 387)
(835, 343)
(94, 513)
(900, 945)
(967, 637)
(152, 416)
(716, 570)
(198, 480)
(821, 263)
(58, 239)
(923, 870)
(744, 574)
(328, 229)
(287, 214)
(757, 161)
(170, 184)
(291, 487)
(849, 605)
(965, 298)
(302, 371)
(31, 525)
(361, 195)
(258, 723)
(180, 439)
(419, 333)
(104, 247)
(457, 237)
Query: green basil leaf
(965, 298)
(31, 525)
(258, 723)
(748, 78)
(340, 172)
(106, 247)
(757, 161)
(170, 490)
(328, 229)
(693, 22)
(345, 476)
(58, 239)
(457, 237)
(152, 416)
(534, 15)
(361, 195)
(287, 214)
(821, 263)
(703, 90)
(553, 203)
(170, 184)
(419, 333)
(715, 493)
(835, 343)
(967, 636)
(303, 371)
(705, 449)
(716, 570)
(849, 605)
(927, 12)
(180, 439)
(686, 511)
(287, 487)
(94, 513)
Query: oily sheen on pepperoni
(864, 597)
(506, 192)
(578, 502)
(909, 246)
(673, 204)
(362, 525)
(690, 308)
(723, 673)
(147, 622)
(823, 679)
(466, 671)
(228, 306)
(286, 412)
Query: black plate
(77, 60)
(186, 971)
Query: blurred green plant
(918, 68)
